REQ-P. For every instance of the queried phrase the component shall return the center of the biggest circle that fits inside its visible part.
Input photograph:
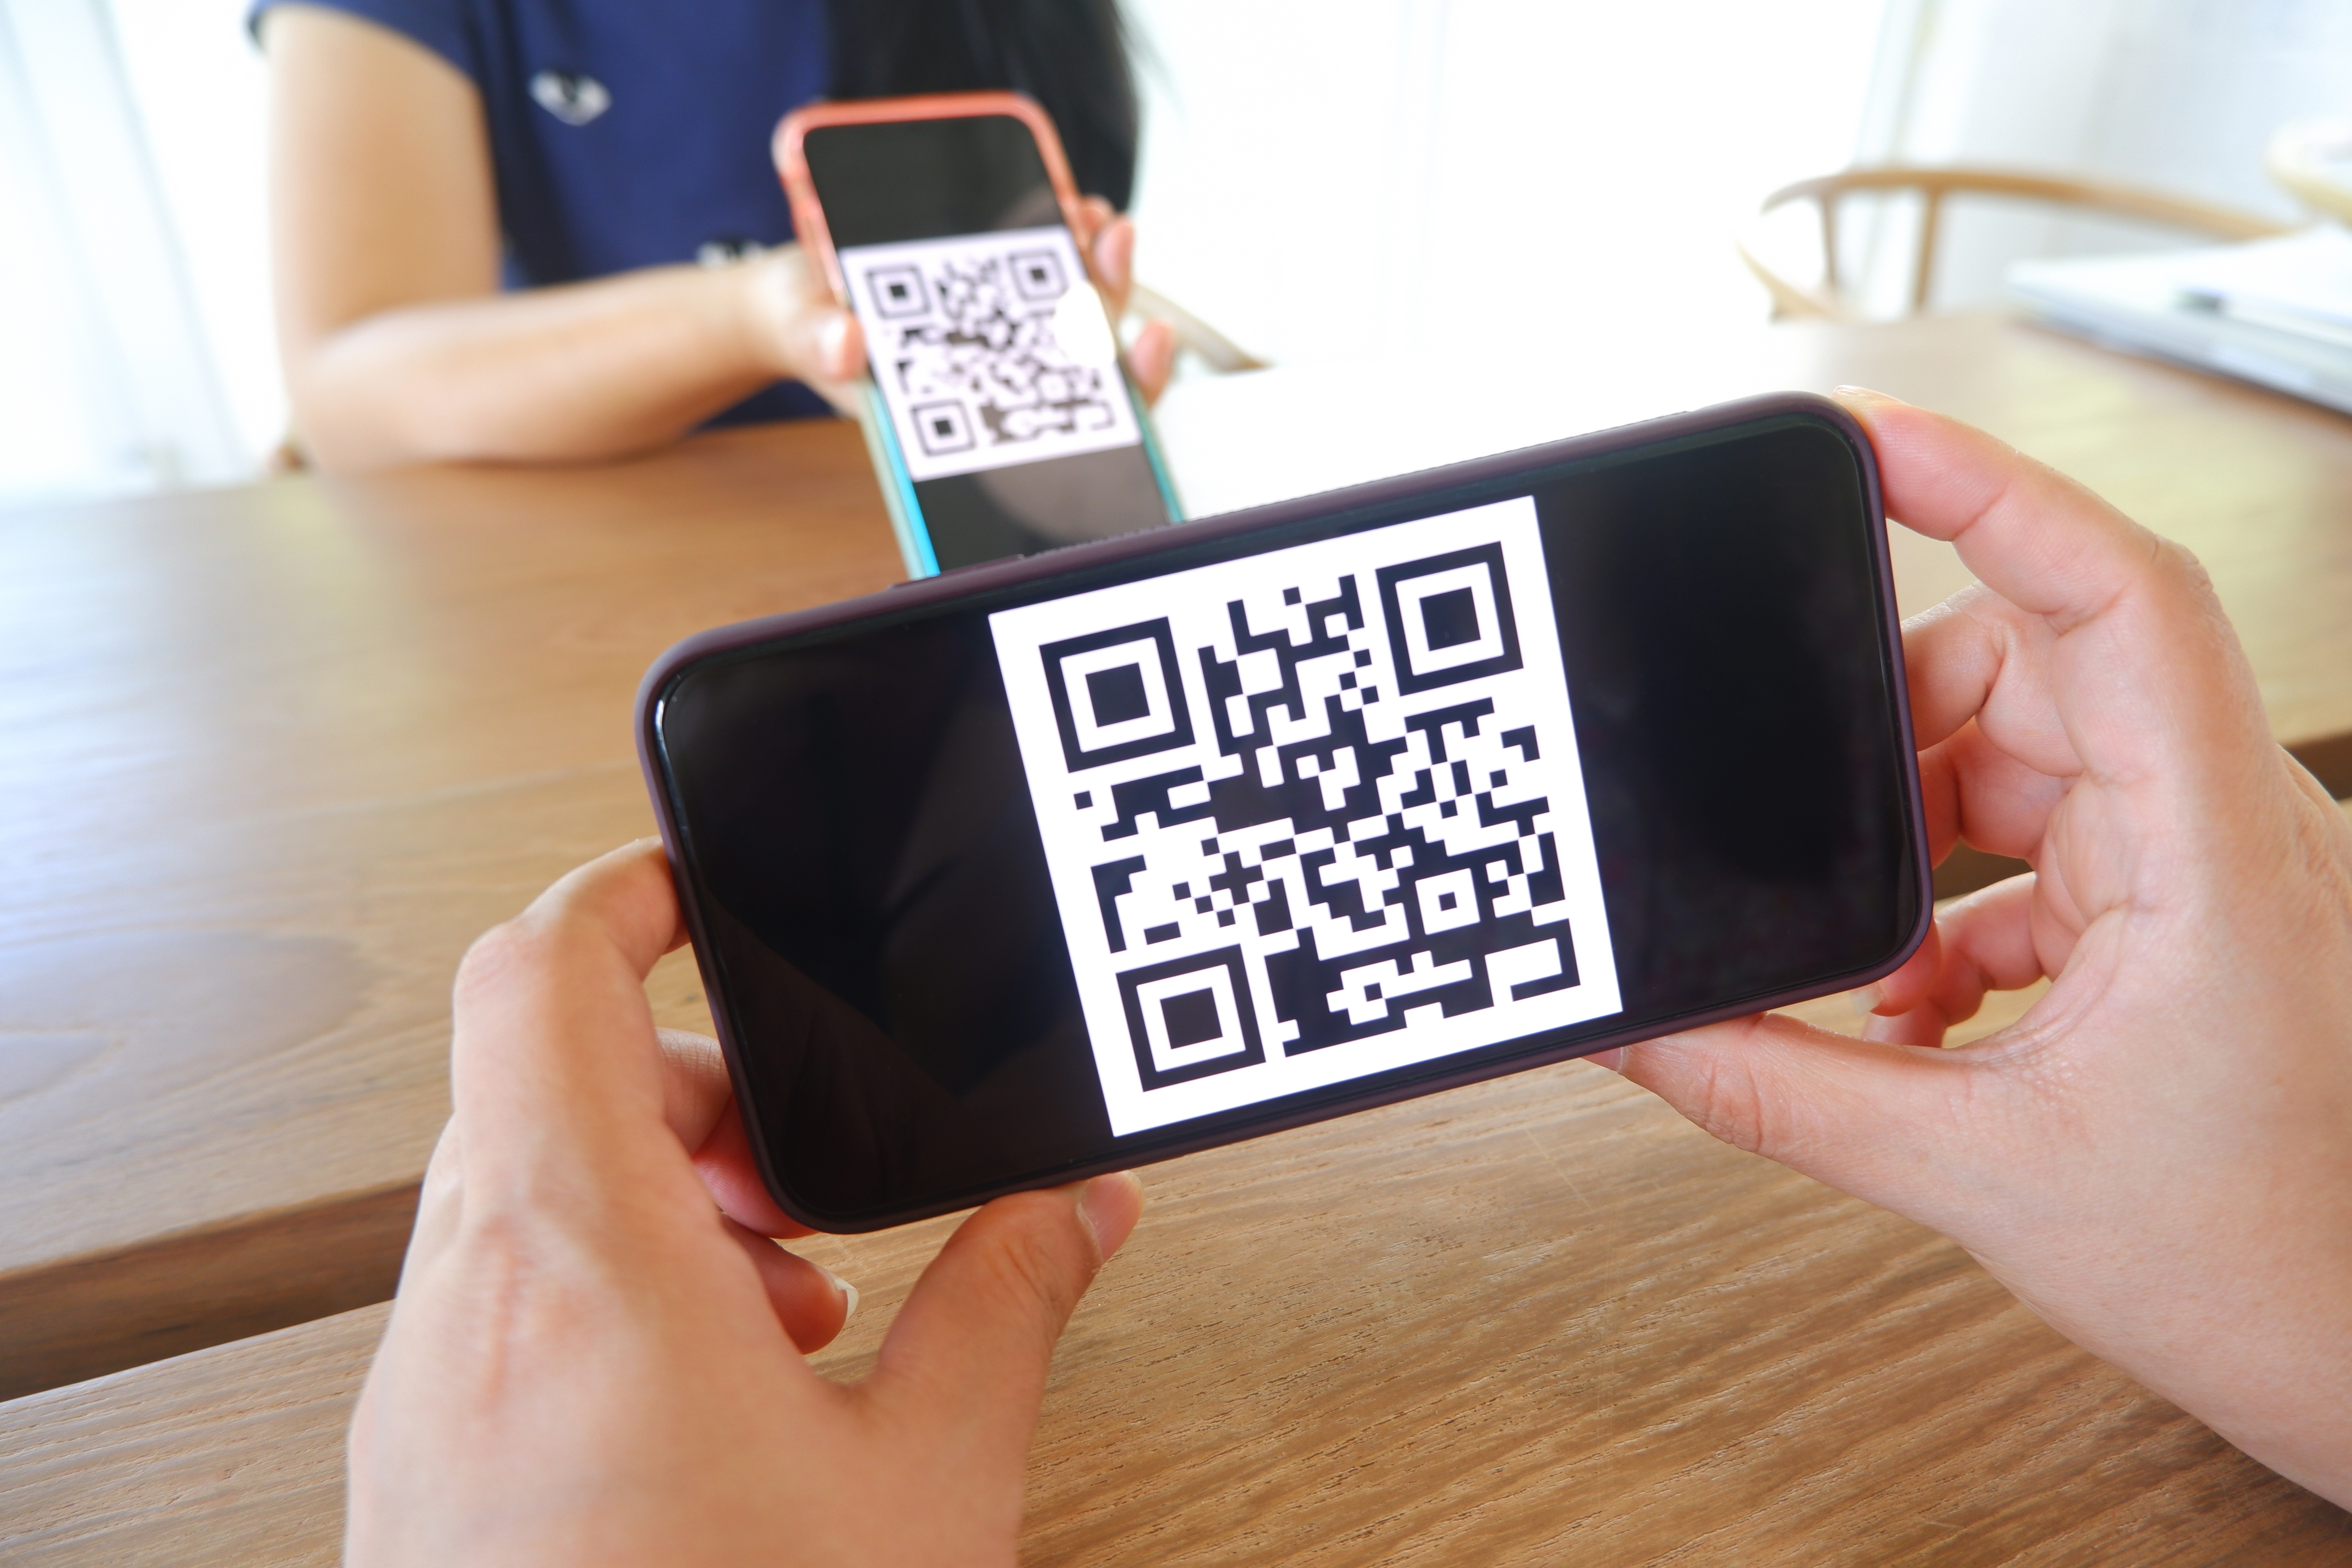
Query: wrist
(761, 289)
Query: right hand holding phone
(2157, 1157)
(1108, 240)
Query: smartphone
(1075, 863)
(1000, 414)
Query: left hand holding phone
(809, 337)
(596, 1355)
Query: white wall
(1329, 179)
(135, 349)
(2176, 94)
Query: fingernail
(1110, 1206)
(1866, 999)
(833, 340)
(1614, 1061)
(848, 1293)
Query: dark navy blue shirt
(628, 133)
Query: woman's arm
(397, 343)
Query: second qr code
(1312, 814)
(988, 350)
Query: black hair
(1071, 56)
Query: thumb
(810, 336)
(1860, 1115)
(822, 343)
(968, 1354)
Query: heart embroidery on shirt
(572, 98)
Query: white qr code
(989, 349)
(1312, 814)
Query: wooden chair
(1935, 185)
(1194, 335)
(2312, 159)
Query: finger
(2142, 665)
(700, 1107)
(811, 1303)
(1095, 215)
(695, 1086)
(1910, 984)
(728, 1168)
(2036, 538)
(1860, 1115)
(1984, 794)
(558, 1081)
(1114, 254)
(1978, 655)
(1152, 359)
(812, 338)
(1985, 941)
(970, 1349)
(824, 344)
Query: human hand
(802, 332)
(1109, 239)
(589, 1363)
(805, 334)
(2157, 1158)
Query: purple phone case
(967, 582)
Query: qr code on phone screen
(1312, 814)
(988, 350)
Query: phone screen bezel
(811, 227)
(791, 153)
(1081, 566)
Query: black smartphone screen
(1098, 865)
(999, 378)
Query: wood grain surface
(1537, 1321)
(230, 1458)
(277, 753)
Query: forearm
(586, 370)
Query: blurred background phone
(1079, 862)
(1000, 415)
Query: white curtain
(112, 363)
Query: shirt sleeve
(444, 26)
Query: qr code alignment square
(1312, 814)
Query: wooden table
(296, 744)
(275, 755)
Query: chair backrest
(2313, 159)
(1194, 335)
(1935, 184)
